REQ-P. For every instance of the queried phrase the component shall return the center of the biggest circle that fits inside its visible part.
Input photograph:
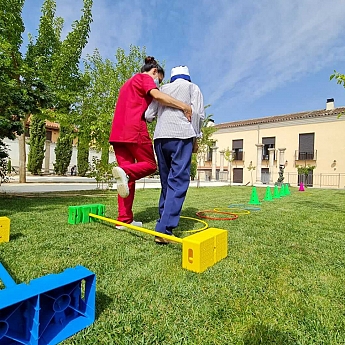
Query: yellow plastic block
(221, 246)
(204, 249)
(4, 229)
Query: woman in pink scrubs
(129, 135)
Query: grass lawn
(283, 281)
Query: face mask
(156, 82)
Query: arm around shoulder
(169, 101)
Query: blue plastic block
(48, 309)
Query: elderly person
(174, 138)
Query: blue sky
(250, 59)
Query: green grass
(283, 281)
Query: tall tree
(11, 95)
(37, 141)
(63, 150)
(39, 58)
(68, 77)
(55, 63)
(104, 79)
(21, 92)
(340, 78)
(207, 129)
(83, 153)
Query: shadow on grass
(263, 335)
(151, 214)
(102, 302)
(15, 236)
(12, 204)
(133, 233)
(319, 205)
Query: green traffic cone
(276, 192)
(254, 199)
(268, 195)
(282, 190)
(287, 190)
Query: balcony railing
(238, 156)
(305, 156)
(267, 157)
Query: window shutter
(237, 144)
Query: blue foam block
(48, 309)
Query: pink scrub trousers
(138, 161)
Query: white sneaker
(122, 227)
(121, 182)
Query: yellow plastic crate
(221, 244)
(204, 249)
(4, 229)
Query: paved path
(42, 184)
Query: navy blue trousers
(174, 160)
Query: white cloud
(115, 24)
(251, 48)
(237, 50)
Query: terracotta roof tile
(281, 118)
(49, 124)
(52, 125)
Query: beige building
(258, 149)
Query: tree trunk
(22, 158)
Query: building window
(269, 143)
(306, 146)
(209, 154)
(49, 135)
(237, 175)
(237, 149)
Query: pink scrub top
(129, 125)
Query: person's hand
(188, 112)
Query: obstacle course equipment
(276, 194)
(245, 207)
(4, 230)
(202, 214)
(199, 251)
(237, 205)
(234, 210)
(287, 190)
(268, 194)
(48, 309)
(204, 249)
(301, 187)
(254, 199)
(282, 191)
(80, 214)
(198, 220)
